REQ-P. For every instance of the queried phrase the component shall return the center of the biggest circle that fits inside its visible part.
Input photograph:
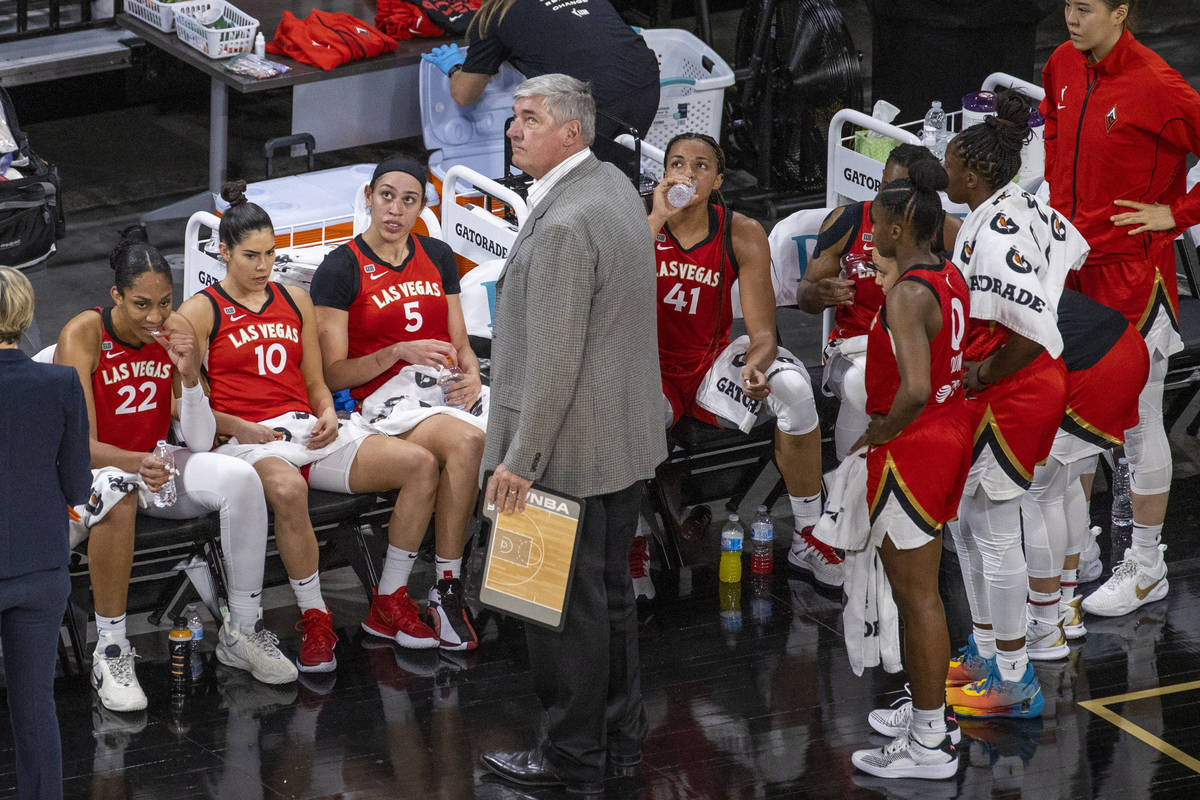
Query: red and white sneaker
(394, 616)
(316, 642)
(814, 556)
(448, 613)
(639, 568)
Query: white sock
(397, 566)
(1068, 584)
(929, 725)
(308, 592)
(1043, 606)
(243, 609)
(806, 510)
(447, 567)
(985, 641)
(1012, 663)
(1145, 543)
(111, 630)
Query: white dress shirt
(542, 186)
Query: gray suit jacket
(576, 398)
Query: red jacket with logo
(327, 40)
(1120, 129)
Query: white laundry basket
(692, 81)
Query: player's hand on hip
(506, 490)
(1147, 216)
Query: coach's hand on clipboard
(506, 490)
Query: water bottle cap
(734, 518)
(936, 104)
(762, 509)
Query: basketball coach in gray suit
(576, 405)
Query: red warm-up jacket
(327, 40)
(1120, 129)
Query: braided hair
(905, 155)
(992, 148)
(915, 199)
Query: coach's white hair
(565, 98)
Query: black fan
(797, 67)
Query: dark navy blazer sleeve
(74, 451)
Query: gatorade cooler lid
(462, 132)
(979, 102)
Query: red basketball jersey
(945, 351)
(131, 389)
(395, 305)
(855, 319)
(694, 305)
(254, 356)
(984, 337)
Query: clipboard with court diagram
(531, 557)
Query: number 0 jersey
(253, 361)
(131, 390)
(945, 351)
(694, 305)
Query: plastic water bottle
(165, 497)
(1121, 530)
(180, 639)
(762, 543)
(934, 128)
(732, 537)
(681, 194)
(196, 628)
(450, 376)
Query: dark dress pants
(31, 614)
(588, 676)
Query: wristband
(450, 72)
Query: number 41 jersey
(131, 391)
(694, 305)
(254, 356)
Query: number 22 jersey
(131, 391)
(253, 361)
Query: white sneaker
(896, 720)
(257, 653)
(115, 680)
(907, 758)
(1090, 565)
(1045, 641)
(816, 557)
(1071, 616)
(1131, 586)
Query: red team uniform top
(131, 390)
(386, 303)
(695, 309)
(925, 467)
(254, 356)
(1132, 110)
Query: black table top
(268, 13)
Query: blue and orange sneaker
(995, 697)
(967, 666)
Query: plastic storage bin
(692, 80)
(153, 13)
(215, 42)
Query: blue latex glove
(444, 57)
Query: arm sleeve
(74, 451)
(335, 283)
(196, 419)
(562, 282)
(443, 258)
(484, 56)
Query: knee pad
(1146, 443)
(791, 401)
(851, 423)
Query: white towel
(1015, 254)
(109, 486)
(846, 522)
(870, 619)
(721, 390)
(413, 395)
(296, 428)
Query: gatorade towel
(328, 40)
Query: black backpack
(31, 214)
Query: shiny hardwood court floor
(758, 702)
